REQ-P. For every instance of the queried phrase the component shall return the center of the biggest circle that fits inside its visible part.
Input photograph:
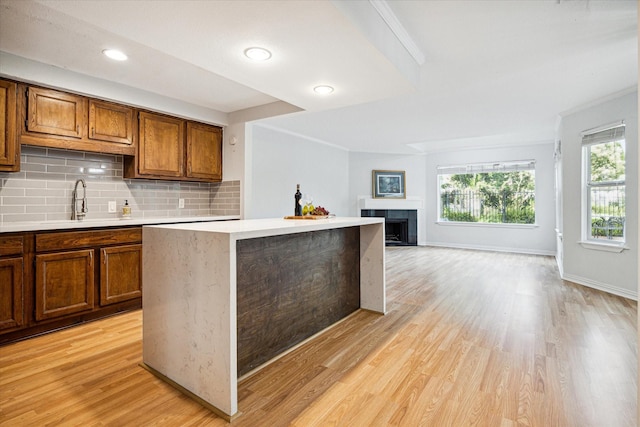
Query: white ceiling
(476, 73)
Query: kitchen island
(221, 299)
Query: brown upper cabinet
(160, 145)
(9, 147)
(55, 113)
(155, 146)
(63, 120)
(176, 149)
(110, 122)
(204, 151)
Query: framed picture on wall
(388, 185)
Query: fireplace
(401, 225)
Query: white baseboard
(605, 287)
(491, 248)
(560, 267)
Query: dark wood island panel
(290, 287)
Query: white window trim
(603, 246)
(453, 169)
(587, 241)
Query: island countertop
(252, 228)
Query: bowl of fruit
(319, 211)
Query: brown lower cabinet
(10, 293)
(64, 283)
(76, 276)
(11, 281)
(120, 278)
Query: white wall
(361, 165)
(536, 240)
(19, 68)
(613, 272)
(233, 152)
(277, 161)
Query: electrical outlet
(112, 206)
(180, 203)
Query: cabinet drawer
(12, 245)
(83, 239)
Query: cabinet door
(110, 122)
(204, 151)
(160, 145)
(11, 313)
(55, 113)
(9, 148)
(64, 283)
(120, 277)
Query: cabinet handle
(78, 129)
(93, 132)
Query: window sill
(606, 247)
(486, 224)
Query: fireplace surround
(401, 225)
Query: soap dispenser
(126, 209)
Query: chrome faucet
(76, 213)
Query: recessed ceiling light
(257, 53)
(115, 54)
(323, 89)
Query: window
(604, 189)
(501, 192)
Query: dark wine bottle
(298, 209)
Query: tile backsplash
(42, 190)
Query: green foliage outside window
(607, 162)
(489, 197)
(606, 186)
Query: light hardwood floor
(470, 338)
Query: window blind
(511, 166)
(602, 136)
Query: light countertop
(252, 228)
(13, 227)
